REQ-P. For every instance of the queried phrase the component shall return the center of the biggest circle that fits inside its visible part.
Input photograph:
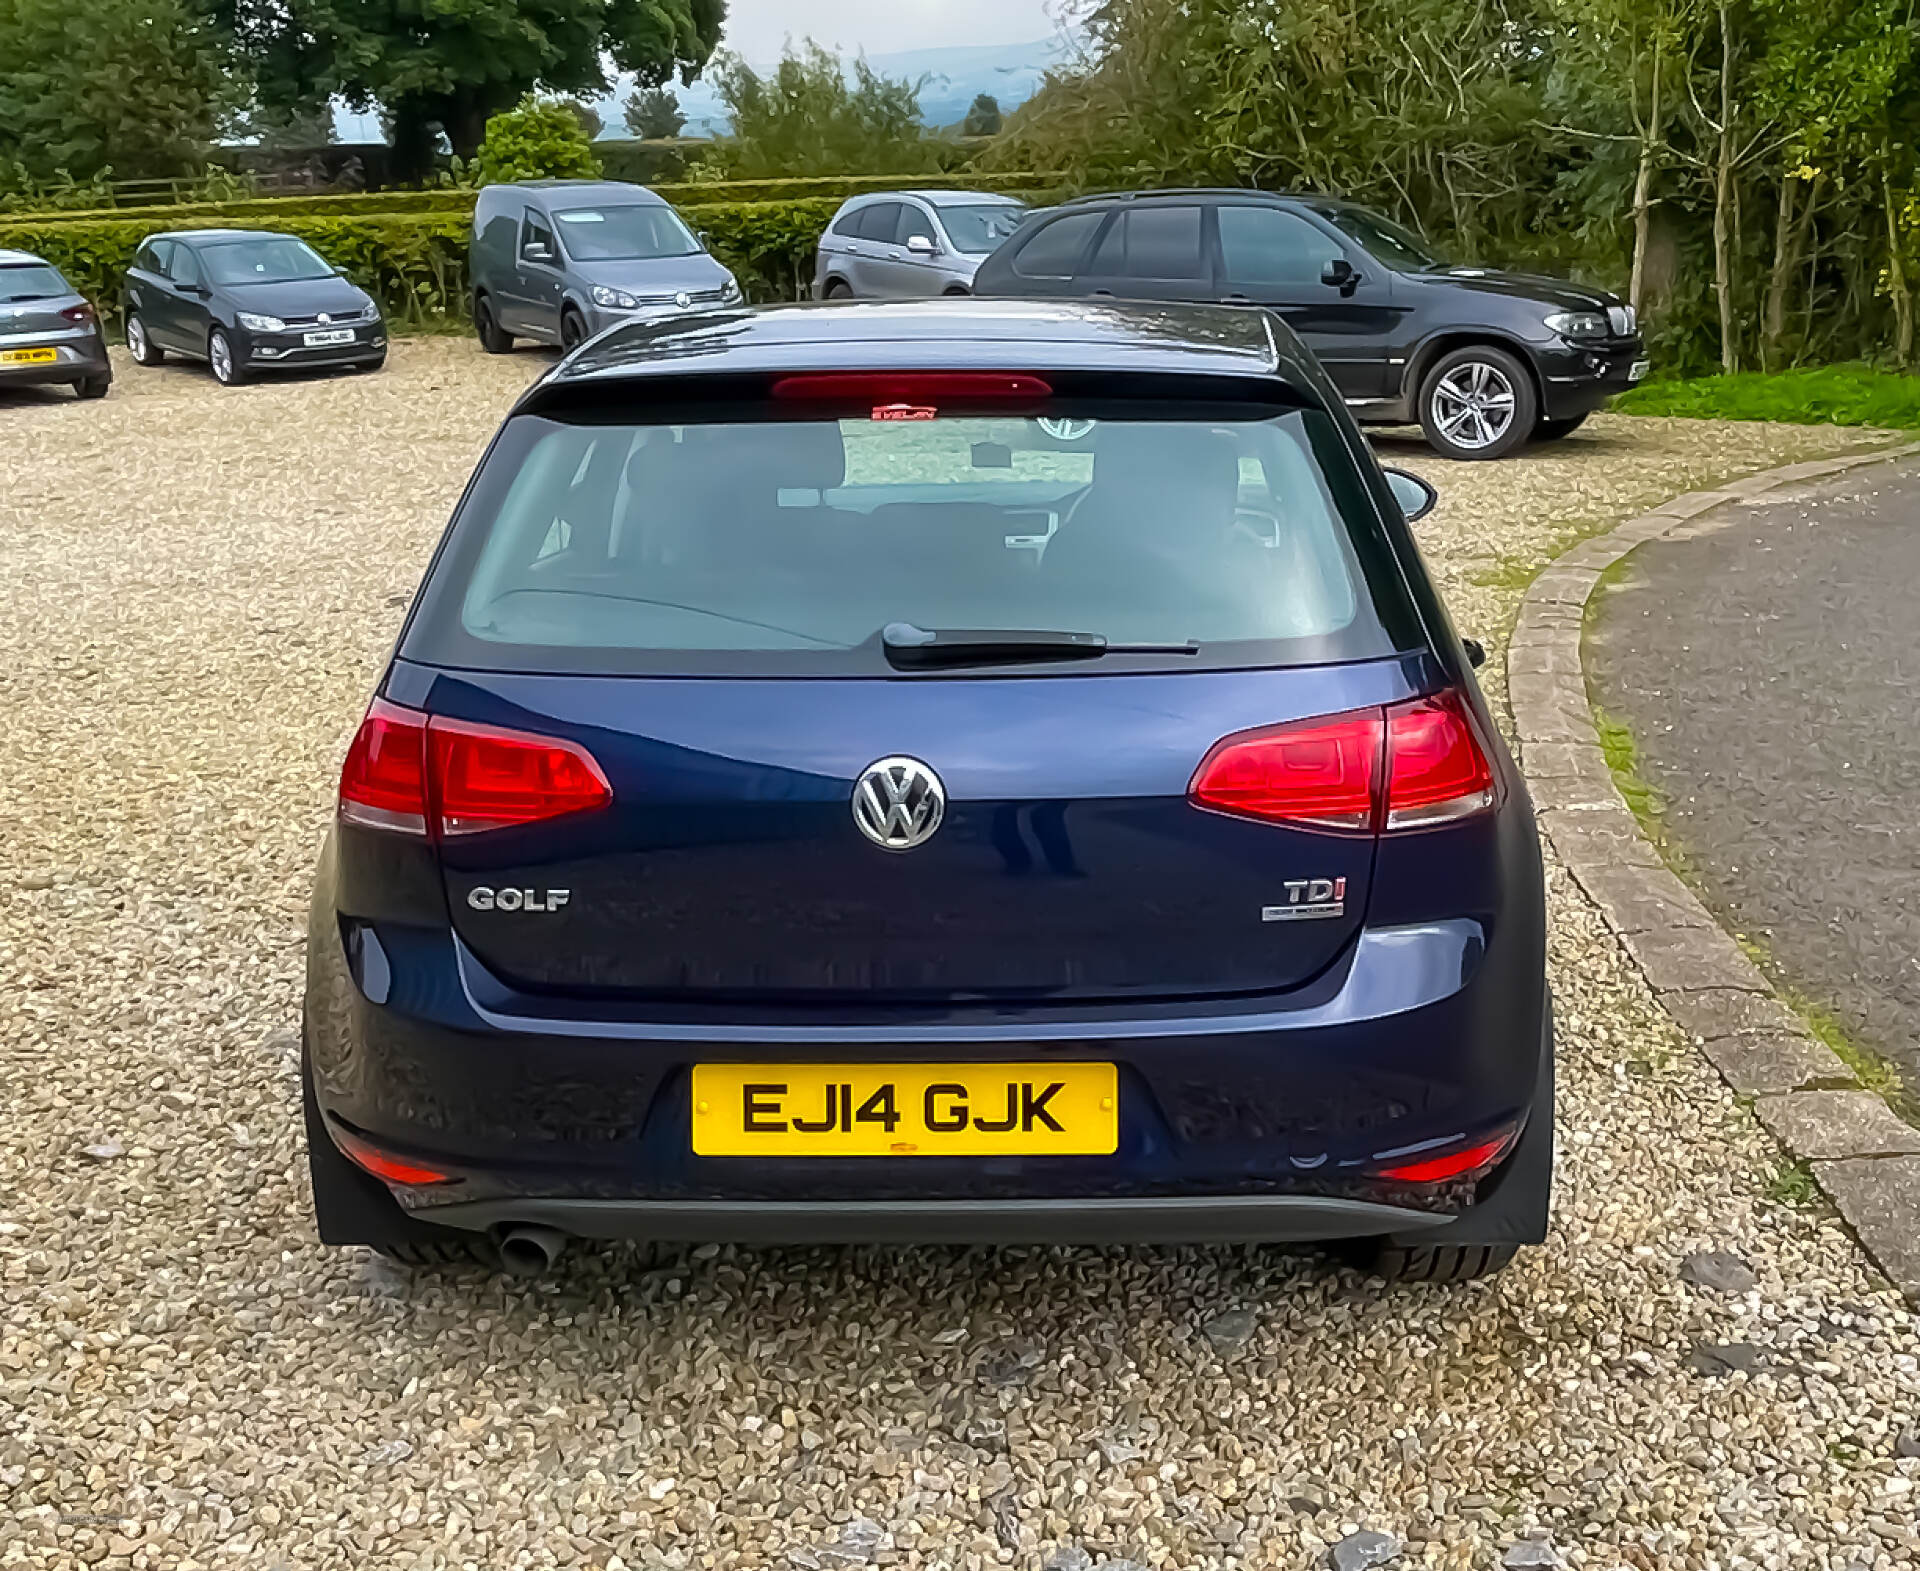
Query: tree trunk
(1897, 277)
(1643, 189)
(1774, 322)
(1723, 197)
(411, 128)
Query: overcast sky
(758, 28)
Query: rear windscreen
(785, 547)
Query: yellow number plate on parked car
(28, 356)
(905, 1110)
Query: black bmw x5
(1484, 361)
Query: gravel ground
(200, 587)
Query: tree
(653, 114)
(984, 118)
(591, 125)
(805, 118)
(465, 63)
(136, 86)
(540, 139)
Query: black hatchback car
(245, 302)
(806, 803)
(1484, 361)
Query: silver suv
(557, 260)
(902, 245)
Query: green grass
(1509, 572)
(1814, 395)
(1791, 1184)
(1623, 758)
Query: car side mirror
(536, 253)
(1476, 652)
(921, 245)
(1339, 274)
(1415, 496)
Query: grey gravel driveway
(199, 587)
(1769, 672)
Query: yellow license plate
(28, 356)
(905, 1110)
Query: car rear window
(33, 281)
(787, 546)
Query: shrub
(541, 139)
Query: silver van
(901, 245)
(557, 260)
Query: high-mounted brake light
(1434, 1170)
(1404, 767)
(917, 390)
(415, 775)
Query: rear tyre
(837, 290)
(1553, 430)
(1476, 403)
(143, 349)
(93, 386)
(222, 361)
(440, 1254)
(492, 338)
(1437, 1263)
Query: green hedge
(452, 199)
(415, 264)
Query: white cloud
(758, 28)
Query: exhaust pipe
(531, 1251)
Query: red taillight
(413, 774)
(384, 782)
(1321, 773)
(928, 390)
(1455, 1163)
(489, 779)
(79, 314)
(1399, 768)
(1438, 770)
(389, 1169)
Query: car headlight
(370, 312)
(254, 322)
(618, 299)
(1579, 324)
(731, 293)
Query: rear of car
(49, 332)
(807, 802)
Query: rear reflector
(1404, 767)
(388, 1169)
(1455, 1163)
(415, 775)
(921, 390)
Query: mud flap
(1513, 1205)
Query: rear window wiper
(910, 646)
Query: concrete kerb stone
(1865, 1158)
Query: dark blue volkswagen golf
(955, 771)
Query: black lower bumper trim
(1182, 1219)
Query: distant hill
(1012, 73)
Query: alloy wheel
(1473, 405)
(137, 339)
(220, 357)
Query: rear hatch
(32, 298)
(1006, 647)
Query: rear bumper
(1261, 1118)
(77, 358)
